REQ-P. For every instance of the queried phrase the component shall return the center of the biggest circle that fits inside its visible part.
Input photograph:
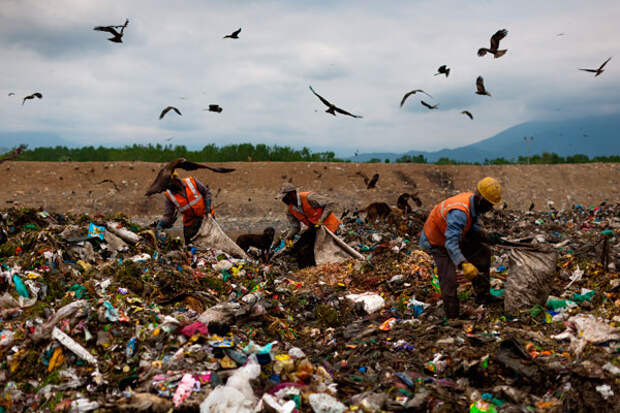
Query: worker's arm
(294, 226)
(170, 215)
(318, 201)
(454, 233)
(206, 194)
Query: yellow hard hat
(490, 190)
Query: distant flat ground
(244, 199)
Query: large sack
(328, 248)
(210, 235)
(529, 279)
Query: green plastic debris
(78, 290)
(580, 298)
(497, 292)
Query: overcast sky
(361, 55)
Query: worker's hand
(160, 226)
(493, 238)
(288, 243)
(317, 225)
(469, 270)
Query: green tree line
(261, 153)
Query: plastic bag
(324, 403)
(372, 301)
(329, 249)
(211, 236)
(237, 395)
(123, 233)
(529, 279)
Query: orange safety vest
(437, 221)
(192, 205)
(309, 215)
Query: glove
(160, 226)
(469, 270)
(494, 238)
(288, 243)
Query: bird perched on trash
(480, 90)
(402, 102)
(468, 113)
(499, 35)
(429, 106)
(163, 177)
(168, 109)
(531, 207)
(443, 70)
(331, 108)
(34, 95)
(599, 70)
(117, 37)
(233, 35)
(214, 108)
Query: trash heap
(98, 314)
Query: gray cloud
(363, 56)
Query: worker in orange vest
(312, 210)
(451, 235)
(190, 197)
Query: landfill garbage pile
(98, 314)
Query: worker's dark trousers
(189, 231)
(476, 253)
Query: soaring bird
(443, 69)
(34, 95)
(480, 90)
(370, 183)
(11, 94)
(214, 108)
(117, 36)
(413, 92)
(16, 152)
(233, 35)
(499, 35)
(163, 177)
(331, 108)
(468, 113)
(166, 110)
(599, 70)
(429, 106)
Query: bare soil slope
(247, 195)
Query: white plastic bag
(211, 236)
(237, 395)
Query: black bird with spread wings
(480, 90)
(168, 109)
(163, 177)
(34, 95)
(413, 92)
(14, 154)
(331, 108)
(499, 35)
(429, 106)
(468, 113)
(233, 35)
(117, 36)
(11, 93)
(370, 183)
(443, 70)
(599, 70)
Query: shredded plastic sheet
(72, 345)
(528, 282)
(210, 235)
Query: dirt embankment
(247, 195)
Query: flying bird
(429, 106)
(499, 35)
(163, 112)
(117, 37)
(370, 183)
(443, 69)
(480, 90)
(214, 108)
(16, 152)
(233, 35)
(468, 113)
(560, 34)
(331, 108)
(11, 94)
(163, 177)
(599, 70)
(34, 95)
(413, 92)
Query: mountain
(32, 139)
(595, 136)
